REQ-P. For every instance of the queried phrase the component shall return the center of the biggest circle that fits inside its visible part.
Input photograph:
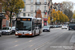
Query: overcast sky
(59, 1)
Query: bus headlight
(16, 33)
(8, 31)
(30, 33)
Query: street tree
(69, 13)
(73, 16)
(55, 15)
(49, 20)
(68, 7)
(58, 16)
(74, 12)
(12, 6)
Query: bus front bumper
(24, 34)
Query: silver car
(46, 28)
(6, 30)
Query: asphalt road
(57, 39)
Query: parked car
(0, 33)
(71, 26)
(64, 26)
(13, 30)
(51, 26)
(56, 26)
(46, 28)
(6, 30)
(60, 26)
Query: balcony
(37, 3)
(45, 3)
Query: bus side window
(39, 25)
(33, 26)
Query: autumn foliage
(58, 16)
(13, 6)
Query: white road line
(41, 46)
(30, 45)
(16, 41)
(30, 40)
(44, 44)
(15, 45)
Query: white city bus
(28, 26)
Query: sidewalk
(73, 41)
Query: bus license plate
(23, 34)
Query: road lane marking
(30, 45)
(47, 42)
(16, 41)
(41, 45)
(15, 45)
(30, 40)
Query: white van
(6, 30)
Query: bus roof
(29, 17)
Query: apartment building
(58, 6)
(31, 6)
(49, 6)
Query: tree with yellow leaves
(12, 6)
(58, 16)
(48, 19)
(55, 15)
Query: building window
(24, 1)
(44, 0)
(38, 0)
(31, 1)
(44, 7)
(24, 9)
(31, 8)
(32, 15)
(24, 14)
(38, 7)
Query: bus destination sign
(23, 19)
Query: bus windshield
(23, 25)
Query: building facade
(5, 22)
(58, 6)
(50, 7)
(31, 6)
